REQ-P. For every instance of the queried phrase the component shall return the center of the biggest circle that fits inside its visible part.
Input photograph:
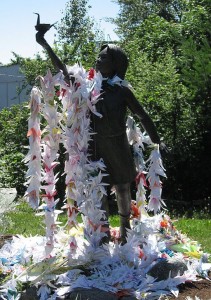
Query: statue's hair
(119, 58)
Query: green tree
(13, 142)
(75, 22)
(78, 37)
(133, 13)
(168, 43)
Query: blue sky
(17, 32)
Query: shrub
(13, 142)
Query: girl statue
(110, 141)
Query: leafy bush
(13, 140)
(169, 52)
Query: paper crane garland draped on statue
(67, 112)
(66, 109)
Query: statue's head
(111, 61)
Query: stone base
(163, 268)
(79, 294)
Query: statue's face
(105, 64)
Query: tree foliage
(77, 34)
(75, 22)
(13, 143)
(168, 43)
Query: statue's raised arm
(58, 64)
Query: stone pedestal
(163, 268)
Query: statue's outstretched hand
(58, 64)
(164, 150)
(41, 30)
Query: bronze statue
(110, 141)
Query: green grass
(22, 220)
(198, 230)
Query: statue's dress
(110, 141)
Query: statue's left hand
(41, 30)
(40, 38)
(164, 150)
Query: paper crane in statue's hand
(40, 38)
(42, 28)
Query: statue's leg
(124, 204)
(105, 207)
